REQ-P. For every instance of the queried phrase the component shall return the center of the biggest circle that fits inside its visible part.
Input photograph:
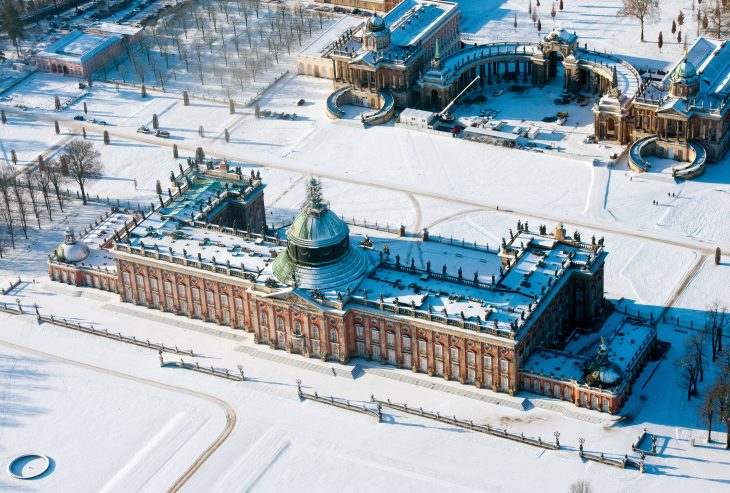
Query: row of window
(197, 310)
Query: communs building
(81, 53)
(379, 60)
(474, 315)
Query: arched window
(263, 319)
(333, 335)
(279, 323)
(297, 328)
(315, 332)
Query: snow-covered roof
(414, 114)
(411, 22)
(79, 46)
(114, 28)
(502, 308)
(556, 364)
(322, 44)
(711, 60)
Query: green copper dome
(685, 70)
(318, 253)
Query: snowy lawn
(595, 23)
(97, 440)
(279, 439)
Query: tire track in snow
(220, 439)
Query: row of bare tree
(712, 17)
(692, 365)
(28, 195)
(226, 42)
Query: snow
(596, 25)
(657, 255)
(54, 408)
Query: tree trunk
(719, 339)
(83, 193)
(641, 21)
(709, 428)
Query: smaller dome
(72, 250)
(603, 372)
(375, 24)
(685, 70)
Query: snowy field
(595, 23)
(278, 440)
(64, 410)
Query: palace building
(376, 63)
(414, 58)
(685, 115)
(328, 293)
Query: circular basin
(28, 466)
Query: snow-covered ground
(65, 410)
(278, 440)
(596, 24)
(658, 254)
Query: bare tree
(687, 371)
(7, 205)
(698, 343)
(56, 176)
(580, 486)
(716, 18)
(19, 196)
(33, 196)
(706, 411)
(84, 163)
(716, 321)
(643, 10)
(43, 183)
(721, 394)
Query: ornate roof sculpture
(319, 254)
(72, 250)
(603, 372)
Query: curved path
(200, 460)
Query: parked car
(101, 122)
(498, 92)
(80, 118)
(162, 133)
(143, 130)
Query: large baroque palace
(326, 294)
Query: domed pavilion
(602, 372)
(72, 250)
(319, 254)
